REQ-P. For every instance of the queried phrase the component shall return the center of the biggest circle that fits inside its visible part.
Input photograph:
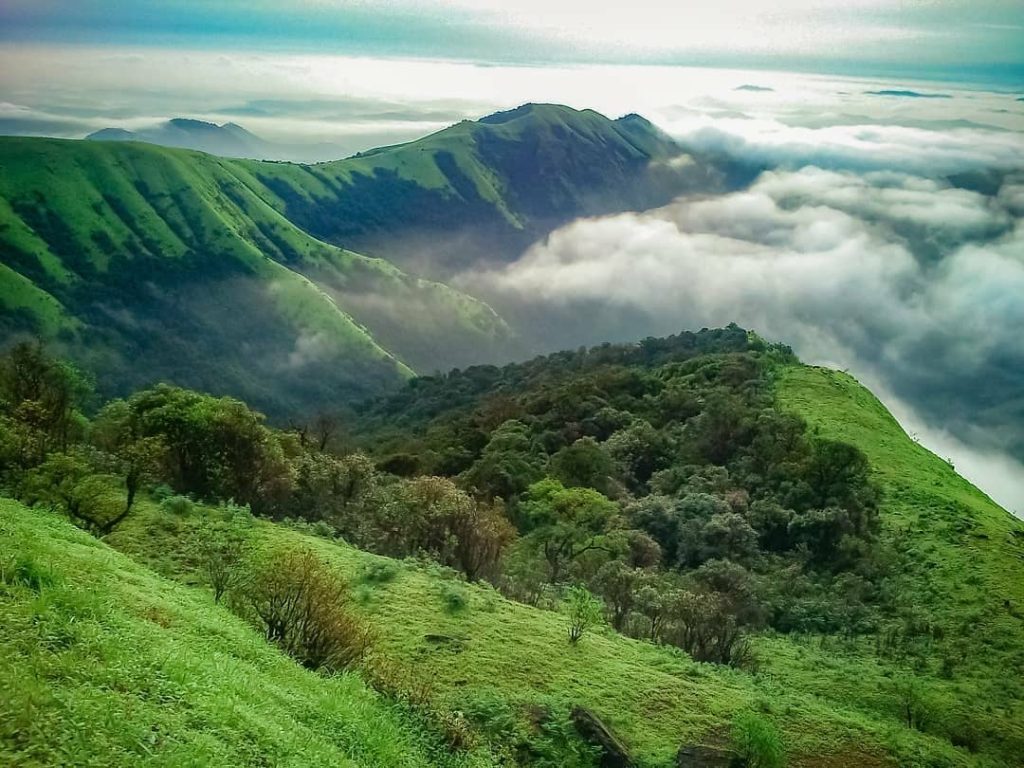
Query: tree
(725, 535)
(137, 458)
(568, 522)
(639, 450)
(616, 583)
(42, 397)
(584, 464)
(508, 464)
(217, 447)
(584, 612)
(72, 481)
(702, 624)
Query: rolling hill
(147, 263)
(234, 276)
(483, 191)
(124, 634)
(227, 140)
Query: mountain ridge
(119, 251)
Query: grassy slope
(108, 664)
(99, 233)
(964, 557)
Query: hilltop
(485, 190)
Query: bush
(379, 572)
(177, 505)
(454, 597)
(584, 612)
(301, 606)
(757, 742)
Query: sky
(854, 245)
(962, 39)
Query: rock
(696, 756)
(613, 752)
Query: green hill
(104, 663)
(147, 263)
(484, 190)
(232, 276)
(899, 649)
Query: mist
(895, 253)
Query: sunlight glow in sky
(951, 39)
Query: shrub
(454, 597)
(757, 741)
(584, 612)
(301, 606)
(219, 564)
(379, 572)
(177, 505)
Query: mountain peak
(530, 109)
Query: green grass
(103, 663)
(656, 699)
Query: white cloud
(813, 258)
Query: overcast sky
(978, 40)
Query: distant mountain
(243, 277)
(488, 189)
(227, 140)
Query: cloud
(828, 262)
(867, 146)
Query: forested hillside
(686, 549)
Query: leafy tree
(568, 522)
(725, 535)
(639, 451)
(508, 464)
(136, 458)
(217, 447)
(73, 481)
(584, 464)
(42, 399)
(616, 583)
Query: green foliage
(757, 741)
(301, 606)
(583, 611)
(379, 572)
(177, 505)
(454, 596)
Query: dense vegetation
(657, 491)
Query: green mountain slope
(927, 680)
(148, 263)
(484, 190)
(103, 663)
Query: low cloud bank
(907, 281)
